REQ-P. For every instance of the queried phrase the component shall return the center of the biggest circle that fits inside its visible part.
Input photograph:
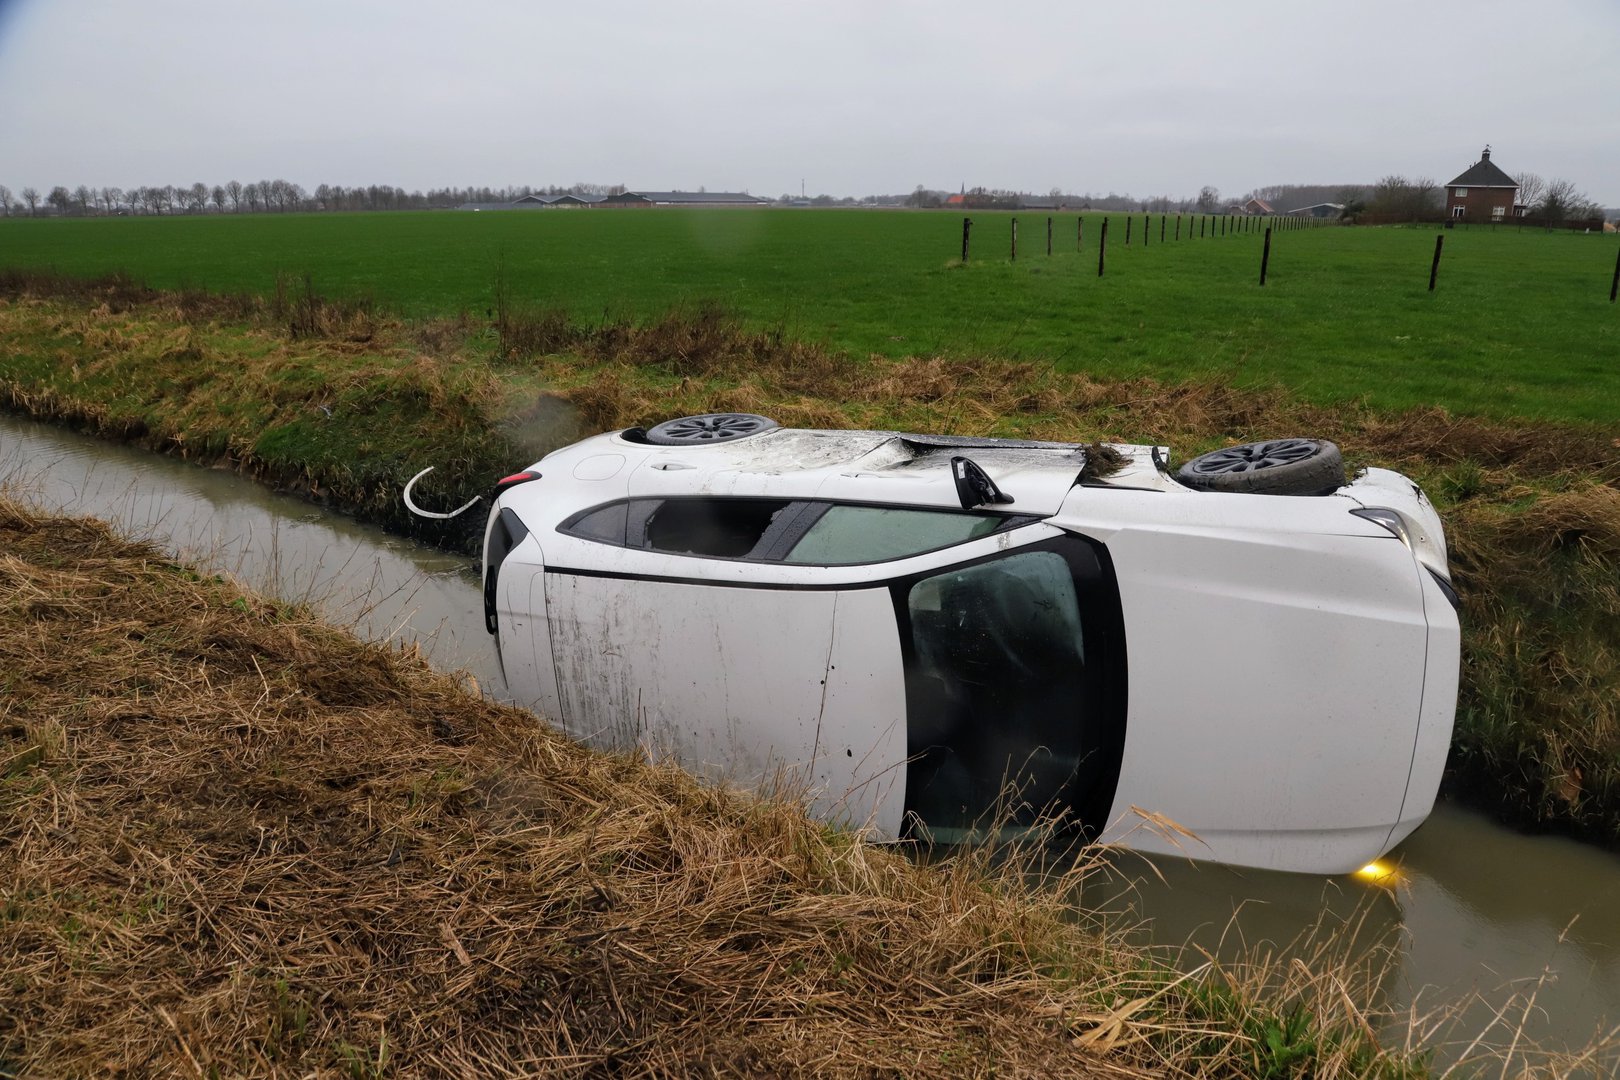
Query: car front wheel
(1274, 467)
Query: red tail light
(516, 478)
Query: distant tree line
(1394, 197)
(983, 198)
(263, 196)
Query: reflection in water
(386, 588)
(1469, 907)
(1465, 910)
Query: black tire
(709, 428)
(1274, 467)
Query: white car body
(1275, 674)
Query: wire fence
(1172, 227)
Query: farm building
(1483, 193)
(519, 205)
(683, 198)
(536, 202)
(1252, 208)
(559, 202)
(1318, 210)
(624, 198)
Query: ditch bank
(344, 405)
(237, 841)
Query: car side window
(720, 528)
(868, 534)
(799, 532)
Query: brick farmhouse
(1483, 193)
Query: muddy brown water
(1529, 923)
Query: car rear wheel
(1274, 467)
(709, 428)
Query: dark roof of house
(552, 200)
(1483, 173)
(697, 197)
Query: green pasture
(1521, 324)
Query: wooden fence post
(1614, 287)
(1102, 247)
(1434, 267)
(1128, 220)
(967, 223)
(1161, 228)
(1265, 257)
(1079, 233)
(1049, 237)
(1014, 239)
(1147, 228)
(1178, 226)
(1203, 223)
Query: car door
(1015, 689)
(746, 672)
(773, 641)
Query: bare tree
(1425, 196)
(234, 190)
(59, 199)
(111, 199)
(1563, 200)
(31, 197)
(1391, 195)
(1531, 187)
(1209, 197)
(1397, 196)
(196, 197)
(6, 200)
(218, 195)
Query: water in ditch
(1467, 906)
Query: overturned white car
(927, 632)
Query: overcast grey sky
(852, 97)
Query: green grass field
(1521, 324)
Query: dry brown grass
(233, 841)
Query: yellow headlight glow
(1378, 872)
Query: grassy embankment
(346, 404)
(235, 841)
